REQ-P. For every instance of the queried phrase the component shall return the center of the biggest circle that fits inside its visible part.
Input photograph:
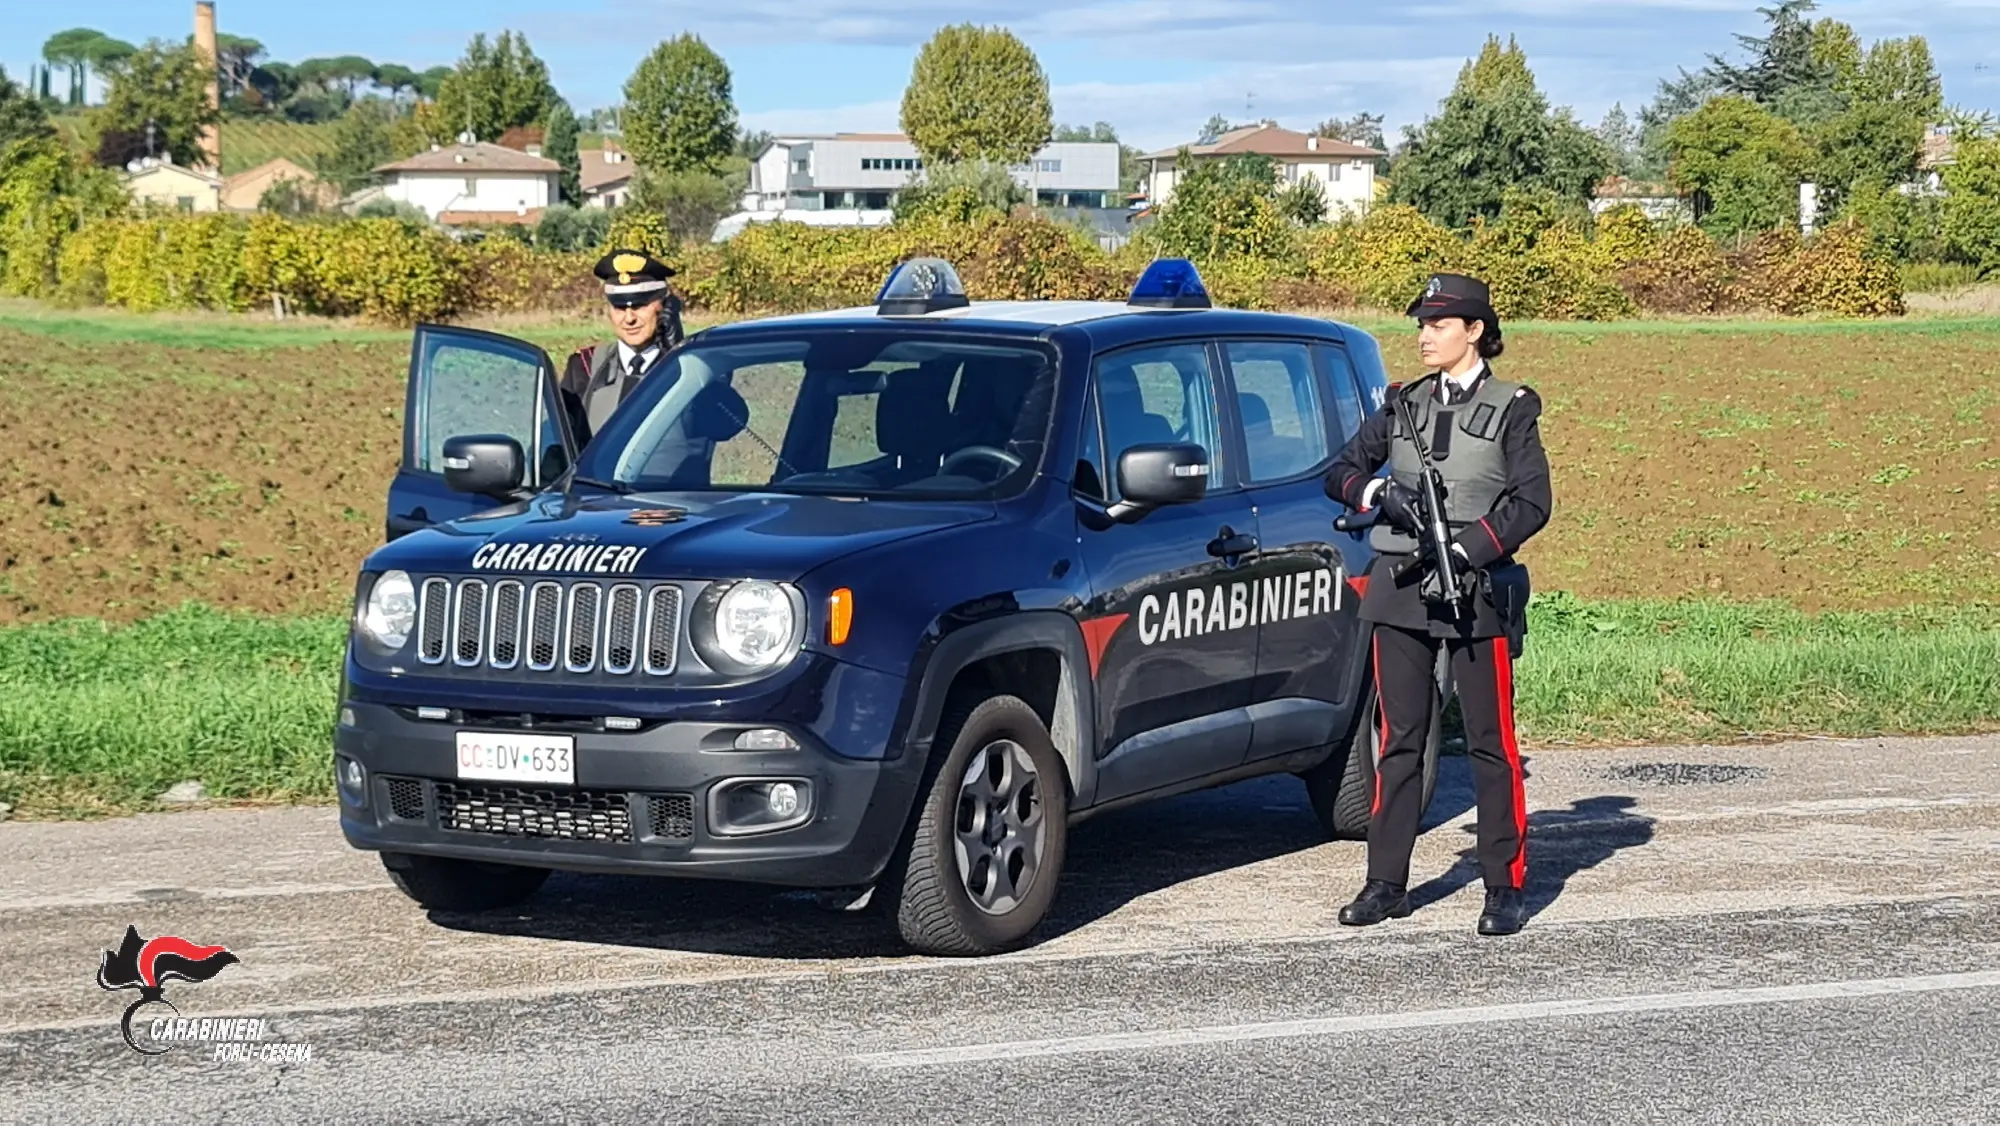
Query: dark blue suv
(877, 601)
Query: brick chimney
(204, 42)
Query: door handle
(1228, 543)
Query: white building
(864, 172)
(160, 180)
(605, 176)
(474, 183)
(1346, 172)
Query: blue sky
(1156, 69)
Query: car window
(480, 387)
(1278, 399)
(1346, 390)
(1158, 393)
(1089, 476)
(856, 413)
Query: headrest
(1256, 412)
(913, 414)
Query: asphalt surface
(1805, 932)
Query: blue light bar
(921, 285)
(1170, 283)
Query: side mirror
(486, 464)
(1154, 476)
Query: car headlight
(390, 612)
(747, 626)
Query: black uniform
(1483, 634)
(594, 381)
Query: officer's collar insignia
(654, 517)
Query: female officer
(1482, 434)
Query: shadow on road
(1112, 859)
(1561, 843)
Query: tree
(1495, 131)
(1361, 129)
(496, 87)
(396, 79)
(977, 93)
(1780, 59)
(361, 143)
(1741, 163)
(1972, 202)
(679, 113)
(83, 49)
(752, 143)
(559, 145)
(236, 59)
(1214, 127)
(158, 103)
(693, 200)
(1223, 208)
(1621, 138)
(432, 81)
(22, 116)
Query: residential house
(605, 176)
(245, 190)
(1657, 201)
(1937, 153)
(474, 182)
(866, 172)
(159, 180)
(1346, 172)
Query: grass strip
(98, 719)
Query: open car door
(464, 381)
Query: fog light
(765, 739)
(743, 806)
(353, 778)
(347, 717)
(621, 723)
(433, 713)
(783, 800)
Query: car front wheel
(979, 868)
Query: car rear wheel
(978, 870)
(443, 884)
(1342, 789)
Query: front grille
(577, 627)
(406, 798)
(519, 811)
(671, 815)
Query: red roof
(1270, 140)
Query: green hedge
(1543, 262)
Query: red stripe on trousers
(1381, 714)
(1503, 675)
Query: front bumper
(643, 803)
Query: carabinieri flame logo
(147, 964)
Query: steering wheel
(990, 453)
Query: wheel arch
(1038, 655)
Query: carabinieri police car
(876, 601)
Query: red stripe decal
(1503, 675)
(1382, 717)
(1360, 584)
(1097, 634)
(1497, 545)
(150, 954)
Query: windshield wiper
(608, 486)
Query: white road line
(1432, 1018)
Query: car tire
(991, 755)
(439, 883)
(1342, 789)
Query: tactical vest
(1464, 443)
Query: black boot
(1379, 900)
(1506, 911)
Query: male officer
(645, 313)
(1483, 435)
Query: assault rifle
(1434, 541)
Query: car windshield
(871, 412)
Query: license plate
(516, 757)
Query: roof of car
(1100, 318)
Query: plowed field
(1829, 468)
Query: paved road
(1805, 932)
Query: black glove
(1399, 507)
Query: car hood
(774, 536)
